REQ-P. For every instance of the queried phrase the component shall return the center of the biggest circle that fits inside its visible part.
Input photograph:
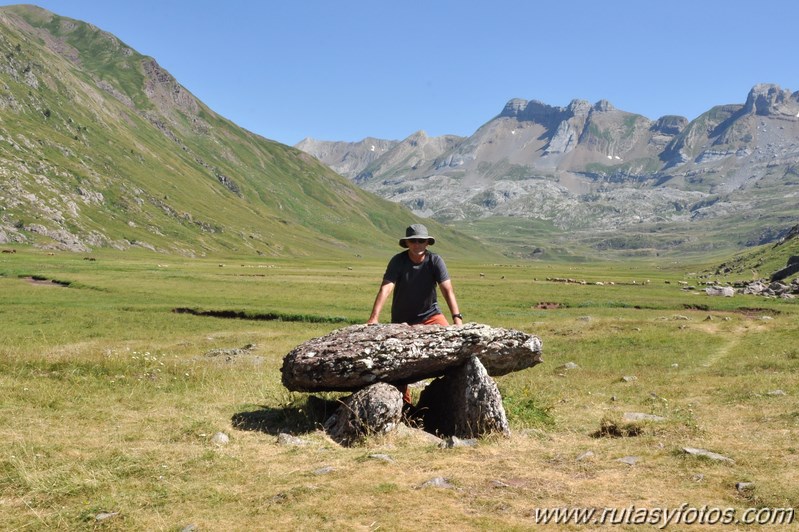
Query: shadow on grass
(292, 419)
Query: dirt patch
(549, 305)
(612, 429)
(754, 312)
(696, 307)
(43, 281)
(262, 316)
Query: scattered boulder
(632, 417)
(103, 516)
(773, 288)
(744, 486)
(726, 291)
(231, 352)
(438, 482)
(220, 438)
(707, 454)
(376, 409)
(453, 442)
(285, 438)
(382, 457)
(790, 269)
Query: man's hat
(416, 231)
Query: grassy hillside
(760, 261)
(100, 147)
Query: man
(413, 276)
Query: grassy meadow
(111, 400)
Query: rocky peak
(417, 138)
(514, 107)
(670, 124)
(532, 111)
(603, 106)
(579, 107)
(767, 99)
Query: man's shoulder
(435, 258)
(401, 256)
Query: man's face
(417, 246)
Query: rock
(629, 460)
(438, 482)
(726, 291)
(357, 356)
(287, 439)
(231, 352)
(465, 403)
(417, 435)
(568, 365)
(374, 410)
(744, 486)
(785, 272)
(629, 378)
(382, 458)
(707, 454)
(453, 441)
(220, 438)
(587, 455)
(632, 417)
(324, 470)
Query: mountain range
(100, 147)
(598, 175)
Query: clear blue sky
(348, 69)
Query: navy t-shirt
(414, 297)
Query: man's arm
(380, 300)
(449, 295)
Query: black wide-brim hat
(416, 231)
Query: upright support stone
(376, 409)
(465, 402)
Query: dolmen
(373, 360)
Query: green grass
(111, 399)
